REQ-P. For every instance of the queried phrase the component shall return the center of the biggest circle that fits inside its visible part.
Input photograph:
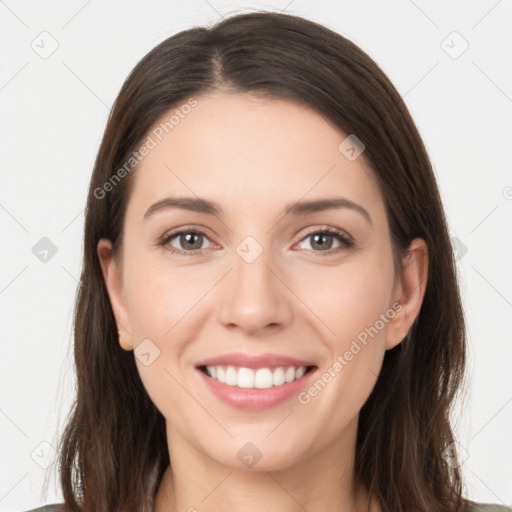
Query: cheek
(159, 296)
(350, 299)
(160, 302)
(353, 303)
(165, 306)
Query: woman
(268, 315)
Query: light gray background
(54, 111)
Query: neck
(319, 482)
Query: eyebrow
(296, 209)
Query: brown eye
(191, 240)
(186, 241)
(322, 241)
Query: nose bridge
(255, 296)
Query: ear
(409, 292)
(112, 273)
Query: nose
(255, 296)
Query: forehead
(248, 152)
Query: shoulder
(488, 507)
(55, 507)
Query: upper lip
(260, 361)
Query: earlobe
(411, 289)
(112, 275)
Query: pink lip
(248, 361)
(256, 399)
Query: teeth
(300, 372)
(245, 378)
(261, 378)
(289, 376)
(278, 377)
(230, 376)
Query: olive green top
(478, 507)
(487, 507)
(49, 508)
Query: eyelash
(346, 241)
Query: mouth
(255, 378)
(253, 382)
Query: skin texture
(253, 156)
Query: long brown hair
(113, 451)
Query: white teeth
(289, 376)
(262, 378)
(231, 376)
(300, 372)
(278, 377)
(245, 378)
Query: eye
(190, 240)
(322, 239)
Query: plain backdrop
(62, 65)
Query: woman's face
(259, 277)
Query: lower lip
(255, 399)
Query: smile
(252, 378)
